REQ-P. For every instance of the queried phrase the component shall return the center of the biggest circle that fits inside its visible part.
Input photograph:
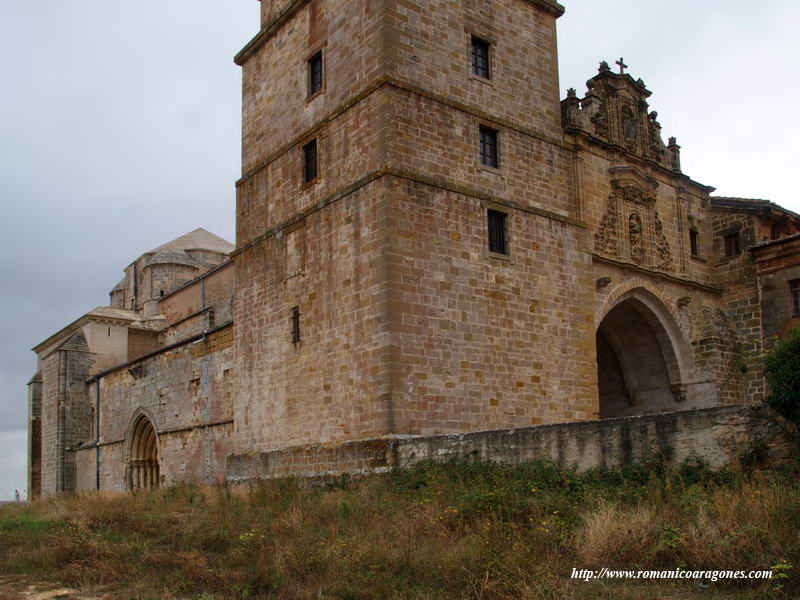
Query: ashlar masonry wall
(778, 266)
(186, 391)
(476, 334)
(741, 304)
(384, 254)
(332, 383)
(65, 412)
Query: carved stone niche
(623, 225)
(636, 238)
(629, 128)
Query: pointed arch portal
(143, 468)
(641, 358)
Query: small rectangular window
(310, 161)
(732, 245)
(295, 324)
(315, 73)
(480, 57)
(694, 239)
(489, 154)
(794, 288)
(498, 235)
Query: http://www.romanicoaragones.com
(606, 573)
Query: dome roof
(199, 239)
(169, 257)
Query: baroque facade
(429, 241)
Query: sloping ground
(468, 530)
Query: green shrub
(782, 367)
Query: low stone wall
(721, 436)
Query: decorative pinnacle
(604, 68)
(622, 65)
(572, 93)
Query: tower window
(794, 288)
(295, 324)
(694, 240)
(315, 73)
(489, 155)
(732, 247)
(498, 234)
(310, 161)
(480, 57)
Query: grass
(468, 530)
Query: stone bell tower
(408, 259)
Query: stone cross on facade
(622, 66)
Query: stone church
(429, 241)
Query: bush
(782, 367)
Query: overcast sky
(120, 130)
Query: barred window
(480, 57)
(295, 324)
(315, 73)
(498, 235)
(732, 247)
(489, 154)
(694, 239)
(794, 288)
(310, 161)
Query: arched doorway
(143, 470)
(640, 359)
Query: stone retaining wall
(721, 436)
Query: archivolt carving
(661, 308)
(626, 286)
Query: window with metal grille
(480, 57)
(498, 238)
(694, 240)
(315, 73)
(310, 161)
(732, 245)
(295, 324)
(794, 288)
(489, 155)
